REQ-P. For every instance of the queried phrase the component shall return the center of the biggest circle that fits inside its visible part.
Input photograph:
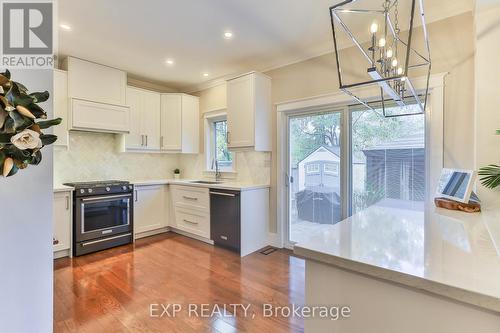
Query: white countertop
(229, 185)
(224, 185)
(444, 252)
(62, 188)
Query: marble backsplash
(96, 156)
(251, 167)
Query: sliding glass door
(346, 161)
(387, 160)
(314, 173)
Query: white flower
(27, 139)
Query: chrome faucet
(218, 174)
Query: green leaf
(9, 126)
(49, 123)
(37, 111)
(22, 87)
(6, 74)
(48, 139)
(13, 171)
(490, 176)
(36, 158)
(40, 96)
(17, 97)
(5, 138)
(20, 122)
(18, 154)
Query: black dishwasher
(225, 218)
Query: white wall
(26, 235)
(487, 71)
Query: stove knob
(108, 189)
(130, 187)
(91, 190)
(124, 188)
(82, 191)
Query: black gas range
(102, 215)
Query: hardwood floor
(111, 291)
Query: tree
(310, 132)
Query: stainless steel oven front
(98, 217)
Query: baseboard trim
(190, 235)
(273, 239)
(62, 254)
(151, 233)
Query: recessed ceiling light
(170, 61)
(65, 27)
(228, 35)
(205, 74)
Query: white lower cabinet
(150, 209)
(62, 224)
(191, 210)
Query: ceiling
(139, 36)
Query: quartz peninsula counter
(409, 262)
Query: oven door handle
(106, 198)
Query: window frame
(315, 171)
(211, 118)
(335, 172)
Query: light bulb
(389, 53)
(394, 62)
(400, 71)
(374, 28)
(381, 42)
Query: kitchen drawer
(194, 222)
(191, 198)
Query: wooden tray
(471, 207)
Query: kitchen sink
(204, 182)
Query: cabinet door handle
(136, 195)
(223, 194)
(228, 137)
(190, 198)
(146, 140)
(142, 140)
(161, 141)
(192, 222)
(67, 202)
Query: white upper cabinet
(151, 119)
(97, 97)
(135, 138)
(249, 112)
(94, 82)
(180, 119)
(60, 100)
(145, 107)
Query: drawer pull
(223, 237)
(192, 222)
(189, 198)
